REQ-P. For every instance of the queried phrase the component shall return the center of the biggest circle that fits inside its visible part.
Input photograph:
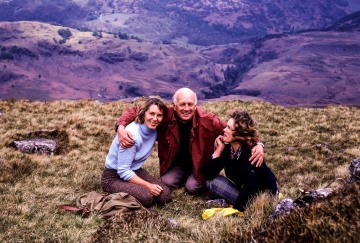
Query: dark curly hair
(245, 128)
(149, 102)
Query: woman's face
(228, 131)
(153, 116)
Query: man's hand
(125, 137)
(257, 156)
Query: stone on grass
(284, 206)
(36, 145)
(354, 170)
(310, 196)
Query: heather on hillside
(284, 52)
(312, 146)
(203, 23)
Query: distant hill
(38, 63)
(110, 50)
(193, 21)
(311, 68)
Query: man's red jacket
(205, 128)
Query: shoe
(216, 203)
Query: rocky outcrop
(7, 75)
(354, 170)
(48, 49)
(113, 57)
(36, 145)
(15, 52)
(248, 92)
(334, 219)
(309, 196)
(349, 23)
(134, 90)
(139, 56)
(121, 56)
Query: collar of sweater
(145, 130)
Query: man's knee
(193, 186)
(170, 181)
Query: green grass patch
(312, 146)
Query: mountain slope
(306, 68)
(290, 66)
(46, 62)
(36, 64)
(200, 22)
(313, 68)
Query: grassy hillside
(302, 145)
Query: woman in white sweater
(123, 172)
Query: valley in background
(293, 54)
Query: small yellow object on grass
(208, 213)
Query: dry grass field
(302, 145)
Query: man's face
(185, 107)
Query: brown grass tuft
(136, 226)
(12, 170)
(335, 219)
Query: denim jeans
(222, 187)
(177, 176)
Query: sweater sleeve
(127, 117)
(213, 166)
(125, 160)
(121, 159)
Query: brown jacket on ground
(205, 128)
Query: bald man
(186, 139)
